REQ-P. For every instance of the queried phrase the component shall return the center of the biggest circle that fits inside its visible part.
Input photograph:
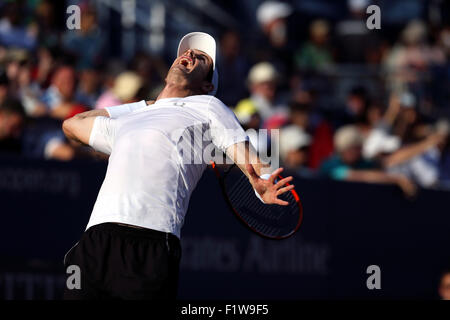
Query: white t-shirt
(156, 159)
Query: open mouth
(186, 61)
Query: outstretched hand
(268, 190)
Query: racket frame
(221, 179)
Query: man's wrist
(265, 176)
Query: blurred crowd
(349, 103)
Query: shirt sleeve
(103, 134)
(224, 127)
(124, 109)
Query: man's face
(355, 104)
(10, 125)
(296, 159)
(191, 70)
(64, 80)
(267, 89)
(444, 289)
(351, 155)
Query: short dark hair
(210, 74)
(12, 106)
(299, 107)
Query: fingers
(282, 182)
(285, 189)
(275, 174)
(281, 202)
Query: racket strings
(270, 220)
(239, 193)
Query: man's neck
(175, 91)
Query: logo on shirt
(179, 104)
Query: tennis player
(131, 247)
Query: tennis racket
(270, 221)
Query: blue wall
(45, 207)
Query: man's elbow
(68, 127)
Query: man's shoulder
(208, 99)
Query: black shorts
(121, 262)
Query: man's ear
(207, 86)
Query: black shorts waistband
(124, 230)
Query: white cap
(347, 137)
(292, 138)
(272, 10)
(126, 85)
(262, 72)
(380, 141)
(206, 43)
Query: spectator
(61, 89)
(262, 104)
(47, 23)
(14, 60)
(89, 37)
(272, 17)
(410, 58)
(233, 69)
(40, 138)
(278, 43)
(444, 286)
(88, 89)
(125, 90)
(46, 63)
(349, 165)
(354, 110)
(419, 161)
(347, 143)
(303, 116)
(12, 32)
(408, 124)
(29, 92)
(353, 39)
(315, 54)
(12, 118)
(294, 149)
(59, 97)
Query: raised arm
(408, 152)
(259, 174)
(79, 127)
